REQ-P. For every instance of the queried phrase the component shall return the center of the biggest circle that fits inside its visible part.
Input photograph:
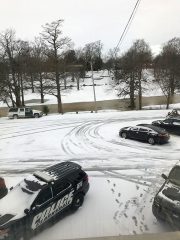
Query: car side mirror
(164, 176)
(26, 211)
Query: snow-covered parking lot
(124, 174)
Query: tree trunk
(17, 90)
(72, 77)
(60, 109)
(41, 87)
(140, 90)
(132, 105)
(65, 83)
(77, 82)
(168, 99)
(11, 97)
(32, 83)
(22, 90)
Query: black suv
(166, 205)
(172, 125)
(40, 198)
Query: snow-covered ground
(124, 174)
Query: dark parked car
(171, 125)
(145, 132)
(40, 198)
(166, 205)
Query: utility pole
(92, 76)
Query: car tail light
(163, 135)
(86, 178)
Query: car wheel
(36, 115)
(151, 140)
(124, 135)
(15, 116)
(77, 201)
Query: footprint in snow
(115, 215)
(141, 229)
(146, 228)
(112, 190)
(120, 204)
(135, 220)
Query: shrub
(45, 110)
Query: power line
(127, 25)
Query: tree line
(45, 64)
(129, 69)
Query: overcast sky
(157, 21)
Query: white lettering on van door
(43, 216)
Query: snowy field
(124, 174)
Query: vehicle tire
(77, 201)
(15, 116)
(124, 135)
(151, 140)
(36, 115)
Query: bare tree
(129, 71)
(38, 56)
(52, 34)
(9, 45)
(92, 55)
(166, 69)
(142, 58)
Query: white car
(24, 113)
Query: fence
(116, 104)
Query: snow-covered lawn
(124, 174)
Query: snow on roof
(21, 197)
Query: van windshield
(174, 175)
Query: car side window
(21, 109)
(60, 187)
(13, 109)
(134, 129)
(143, 130)
(167, 121)
(43, 197)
